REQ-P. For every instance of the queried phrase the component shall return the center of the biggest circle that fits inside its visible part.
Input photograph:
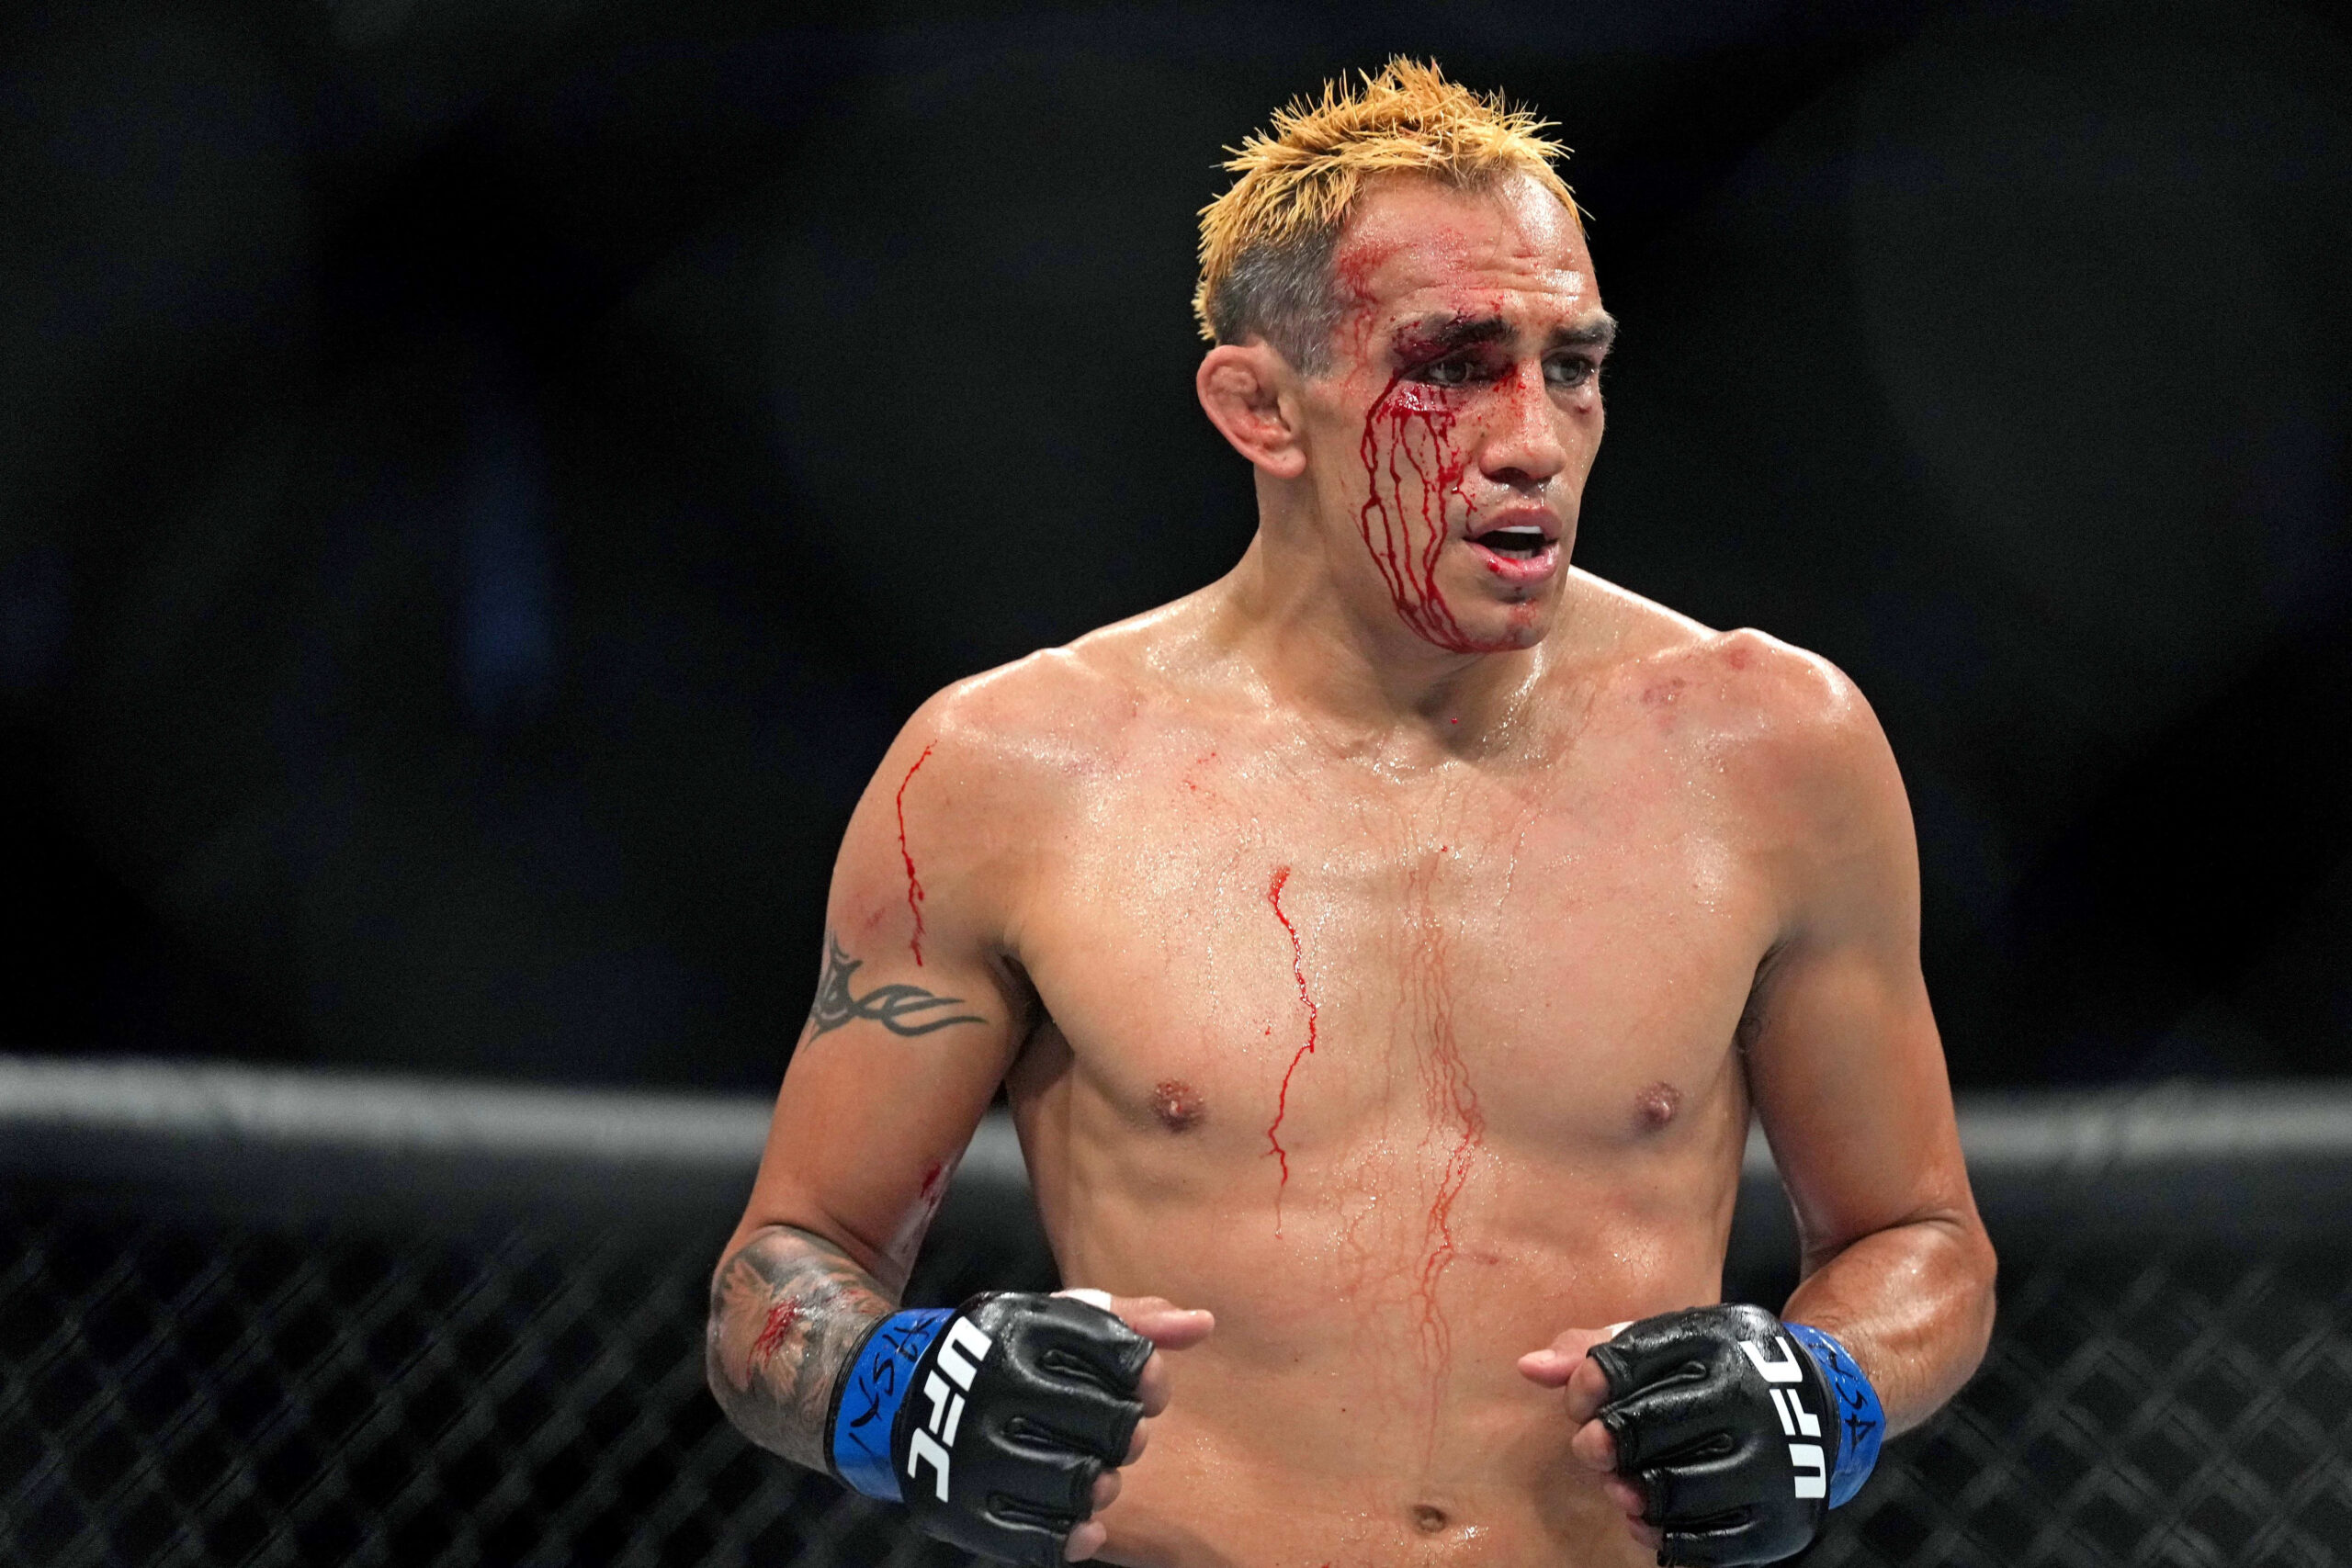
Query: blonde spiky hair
(1266, 244)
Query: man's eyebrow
(1596, 331)
(1435, 335)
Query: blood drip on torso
(1454, 1111)
(1306, 1002)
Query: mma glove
(1740, 1430)
(991, 1422)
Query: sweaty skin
(1383, 950)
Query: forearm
(1913, 1303)
(787, 1308)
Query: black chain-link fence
(269, 1320)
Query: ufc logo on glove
(1812, 1469)
(1741, 1431)
(961, 1351)
(1025, 1401)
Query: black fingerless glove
(1741, 1431)
(992, 1422)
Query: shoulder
(983, 777)
(1758, 693)
(1046, 723)
(1010, 742)
(1789, 758)
(1782, 721)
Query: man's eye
(1444, 373)
(1574, 371)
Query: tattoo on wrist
(899, 1009)
(785, 1311)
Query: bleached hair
(1267, 244)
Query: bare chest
(1265, 960)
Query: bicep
(1844, 1058)
(908, 1036)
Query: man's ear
(1240, 386)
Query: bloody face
(1451, 435)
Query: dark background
(481, 483)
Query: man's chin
(1507, 628)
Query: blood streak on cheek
(1403, 519)
(914, 884)
(780, 1319)
(1306, 1002)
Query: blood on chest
(1381, 1071)
(1270, 1018)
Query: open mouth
(1522, 544)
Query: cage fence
(262, 1318)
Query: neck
(1362, 669)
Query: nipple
(1178, 1105)
(1658, 1104)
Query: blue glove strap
(1861, 1425)
(867, 1410)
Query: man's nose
(1524, 445)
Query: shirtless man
(1383, 950)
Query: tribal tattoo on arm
(788, 1308)
(785, 1312)
(901, 1009)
